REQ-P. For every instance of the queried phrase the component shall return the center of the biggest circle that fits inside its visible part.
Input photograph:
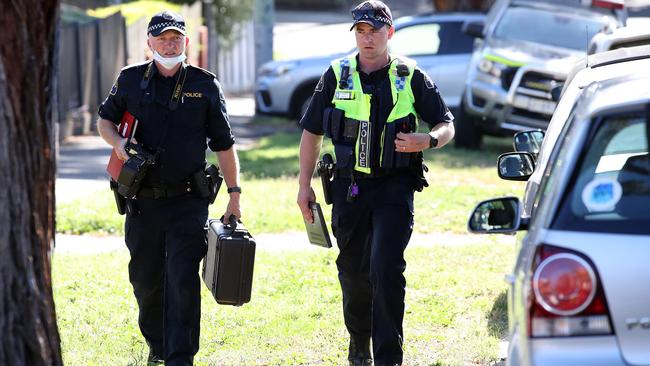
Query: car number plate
(534, 104)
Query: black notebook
(317, 232)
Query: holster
(120, 201)
(207, 182)
(325, 169)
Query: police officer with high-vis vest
(369, 105)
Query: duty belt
(375, 173)
(157, 193)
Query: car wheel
(468, 135)
(301, 99)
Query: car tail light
(608, 4)
(567, 298)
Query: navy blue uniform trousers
(372, 233)
(166, 241)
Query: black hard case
(228, 265)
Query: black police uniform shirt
(199, 118)
(428, 102)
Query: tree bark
(29, 334)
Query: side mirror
(516, 165)
(528, 141)
(474, 28)
(498, 215)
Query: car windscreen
(610, 187)
(432, 38)
(558, 29)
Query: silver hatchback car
(435, 41)
(579, 293)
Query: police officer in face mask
(181, 111)
(369, 104)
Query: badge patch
(319, 86)
(341, 95)
(364, 144)
(601, 194)
(114, 89)
(193, 95)
(428, 82)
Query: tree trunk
(28, 334)
(462, 5)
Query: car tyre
(301, 99)
(468, 135)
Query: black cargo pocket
(335, 223)
(344, 155)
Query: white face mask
(168, 62)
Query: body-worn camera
(134, 170)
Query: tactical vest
(351, 130)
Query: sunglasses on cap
(377, 14)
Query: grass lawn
(455, 311)
(458, 180)
(456, 308)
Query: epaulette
(192, 67)
(136, 65)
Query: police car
(580, 285)
(435, 41)
(524, 49)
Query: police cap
(373, 12)
(165, 21)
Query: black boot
(359, 352)
(154, 359)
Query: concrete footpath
(88, 245)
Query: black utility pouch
(333, 123)
(394, 159)
(350, 130)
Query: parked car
(569, 296)
(635, 33)
(435, 41)
(524, 49)
(596, 68)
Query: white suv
(523, 51)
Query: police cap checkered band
(165, 21)
(372, 12)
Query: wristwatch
(433, 142)
(234, 189)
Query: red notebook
(126, 127)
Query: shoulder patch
(114, 88)
(428, 82)
(321, 83)
(192, 67)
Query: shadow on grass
(498, 317)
